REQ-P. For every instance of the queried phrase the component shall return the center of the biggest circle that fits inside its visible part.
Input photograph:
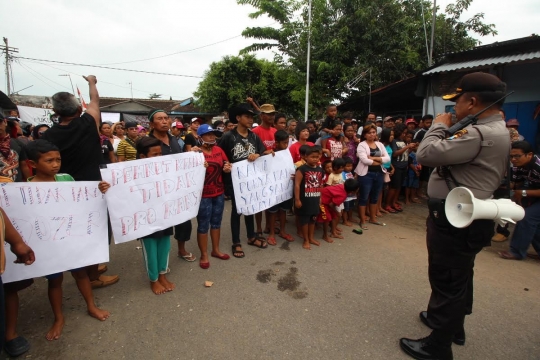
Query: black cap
(477, 82)
(240, 109)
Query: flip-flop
(363, 227)
(377, 223)
(390, 209)
(271, 241)
(188, 257)
(287, 237)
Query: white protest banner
(110, 117)
(65, 223)
(263, 183)
(35, 116)
(152, 194)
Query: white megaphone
(462, 208)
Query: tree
(349, 37)
(234, 78)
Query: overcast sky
(103, 32)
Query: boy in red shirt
(265, 131)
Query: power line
(27, 69)
(101, 81)
(107, 67)
(181, 51)
(175, 53)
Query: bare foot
(327, 239)
(379, 214)
(306, 245)
(157, 287)
(300, 235)
(56, 330)
(99, 314)
(336, 236)
(382, 211)
(348, 223)
(162, 279)
(315, 242)
(338, 230)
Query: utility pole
(131, 87)
(308, 60)
(432, 32)
(69, 76)
(8, 50)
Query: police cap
(477, 82)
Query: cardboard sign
(65, 223)
(152, 194)
(263, 183)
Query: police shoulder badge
(457, 135)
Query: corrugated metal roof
(484, 62)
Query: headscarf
(5, 146)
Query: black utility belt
(437, 212)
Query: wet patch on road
(287, 283)
(285, 246)
(265, 276)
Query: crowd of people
(347, 172)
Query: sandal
(238, 253)
(262, 243)
(363, 227)
(287, 237)
(271, 241)
(16, 347)
(398, 208)
(188, 257)
(390, 209)
(377, 223)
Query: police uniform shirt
(475, 163)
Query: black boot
(459, 337)
(426, 349)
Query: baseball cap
(477, 82)
(205, 129)
(267, 108)
(177, 124)
(255, 125)
(512, 122)
(379, 118)
(410, 121)
(388, 118)
(201, 121)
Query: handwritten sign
(263, 183)
(65, 223)
(149, 195)
(36, 116)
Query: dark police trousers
(451, 255)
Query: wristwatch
(524, 193)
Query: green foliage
(234, 78)
(349, 37)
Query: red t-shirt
(267, 136)
(295, 150)
(213, 182)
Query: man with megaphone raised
(472, 153)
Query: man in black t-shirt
(77, 137)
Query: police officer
(476, 158)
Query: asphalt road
(352, 299)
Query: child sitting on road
(282, 143)
(308, 183)
(44, 157)
(332, 198)
(156, 246)
(348, 205)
